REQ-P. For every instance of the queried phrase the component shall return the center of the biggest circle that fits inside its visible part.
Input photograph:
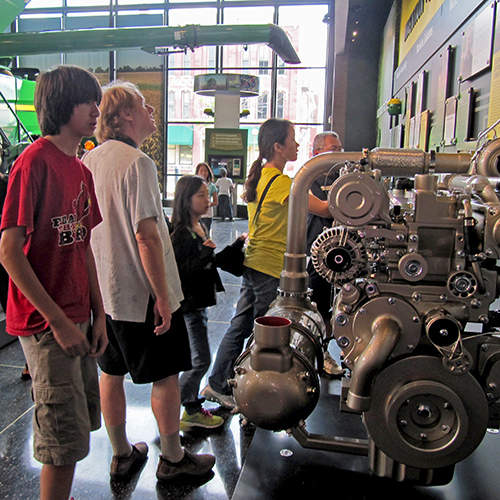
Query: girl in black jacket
(194, 252)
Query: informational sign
(227, 148)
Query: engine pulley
(338, 255)
(423, 416)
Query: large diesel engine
(412, 258)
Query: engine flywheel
(425, 417)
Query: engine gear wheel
(338, 255)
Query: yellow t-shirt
(267, 239)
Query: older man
(324, 142)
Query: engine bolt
(343, 342)
(415, 319)
(403, 423)
(489, 252)
(341, 319)
(443, 298)
(305, 375)
(311, 390)
(362, 311)
(400, 237)
(391, 300)
(483, 319)
(447, 406)
(423, 436)
(413, 238)
(475, 303)
(445, 428)
(416, 297)
(461, 253)
(492, 386)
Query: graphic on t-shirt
(70, 227)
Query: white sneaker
(330, 366)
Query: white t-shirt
(224, 185)
(126, 185)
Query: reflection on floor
(251, 465)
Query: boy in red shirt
(49, 212)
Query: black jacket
(196, 263)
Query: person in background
(225, 187)
(324, 142)
(54, 304)
(203, 170)
(200, 283)
(141, 287)
(266, 247)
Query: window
(263, 60)
(299, 89)
(262, 106)
(186, 105)
(212, 55)
(187, 62)
(280, 105)
(171, 105)
(185, 155)
(245, 57)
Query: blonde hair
(117, 96)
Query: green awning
(180, 134)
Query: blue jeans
(257, 292)
(189, 382)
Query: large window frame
(175, 66)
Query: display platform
(277, 467)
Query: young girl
(266, 247)
(203, 170)
(200, 280)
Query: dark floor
(251, 465)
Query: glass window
(305, 27)
(171, 104)
(84, 3)
(280, 105)
(264, 59)
(212, 56)
(186, 105)
(41, 4)
(262, 106)
(187, 62)
(182, 17)
(185, 154)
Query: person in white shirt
(225, 187)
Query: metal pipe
(386, 331)
(147, 38)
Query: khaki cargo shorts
(65, 391)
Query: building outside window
(297, 91)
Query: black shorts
(134, 348)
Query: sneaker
(190, 465)
(224, 400)
(330, 366)
(123, 467)
(203, 418)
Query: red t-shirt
(52, 195)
